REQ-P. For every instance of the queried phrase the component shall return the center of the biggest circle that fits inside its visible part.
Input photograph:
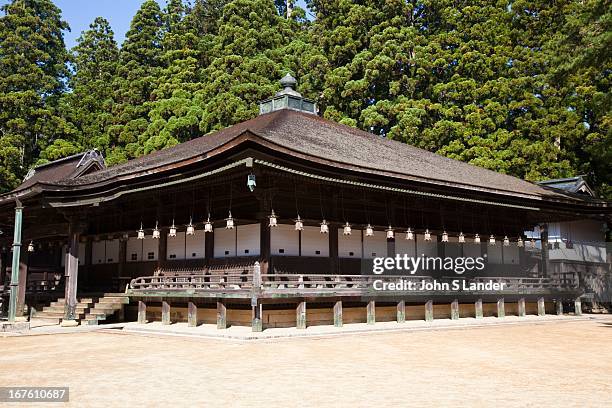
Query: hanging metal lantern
(347, 229)
(31, 247)
(141, 233)
(409, 235)
(477, 239)
(390, 233)
(273, 221)
(519, 242)
(506, 241)
(369, 231)
(190, 228)
(492, 240)
(172, 232)
(299, 225)
(156, 233)
(229, 222)
(427, 235)
(444, 236)
(324, 227)
(208, 227)
(461, 238)
(533, 243)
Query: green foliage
(520, 87)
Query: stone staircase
(54, 313)
(108, 305)
(89, 310)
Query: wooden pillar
(545, 253)
(264, 240)
(165, 312)
(559, 307)
(333, 248)
(338, 313)
(162, 248)
(455, 310)
(71, 271)
(300, 315)
(541, 307)
(142, 312)
(429, 311)
(478, 309)
(23, 280)
(87, 257)
(3, 262)
(209, 246)
(401, 311)
(221, 315)
(501, 308)
(121, 262)
(521, 307)
(371, 309)
(256, 317)
(578, 307)
(192, 315)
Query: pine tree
(32, 76)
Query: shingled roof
(338, 144)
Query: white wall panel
(98, 252)
(404, 246)
(134, 250)
(150, 248)
(314, 243)
(195, 245)
(349, 246)
(175, 249)
(284, 240)
(511, 254)
(376, 245)
(494, 253)
(427, 248)
(225, 243)
(248, 237)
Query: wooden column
(478, 309)
(429, 311)
(559, 307)
(165, 312)
(371, 309)
(265, 245)
(545, 251)
(192, 315)
(3, 263)
(578, 307)
(338, 313)
(23, 281)
(121, 262)
(501, 308)
(521, 307)
(541, 307)
(142, 312)
(455, 310)
(333, 248)
(162, 248)
(300, 315)
(221, 315)
(71, 272)
(401, 311)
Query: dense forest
(516, 86)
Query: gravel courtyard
(553, 364)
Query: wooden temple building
(276, 221)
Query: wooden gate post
(521, 307)
(455, 310)
(165, 312)
(429, 311)
(338, 313)
(142, 312)
(221, 316)
(501, 308)
(371, 310)
(300, 315)
(192, 315)
(401, 311)
(478, 309)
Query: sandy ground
(554, 364)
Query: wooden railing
(328, 284)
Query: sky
(80, 13)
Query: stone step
(61, 308)
(79, 300)
(44, 319)
(57, 315)
(115, 299)
(107, 306)
(97, 316)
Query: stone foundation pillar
(165, 313)
(541, 307)
(401, 311)
(501, 308)
(371, 310)
(338, 313)
(521, 307)
(192, 315)
(478, 309)
(300, 315)
(559, 307)
(455, 310)
(142, 312)
(221, 316)
(578, 307)
(429, 311)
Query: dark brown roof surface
(314, 136)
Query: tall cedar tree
(33, 71)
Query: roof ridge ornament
(288, 98)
